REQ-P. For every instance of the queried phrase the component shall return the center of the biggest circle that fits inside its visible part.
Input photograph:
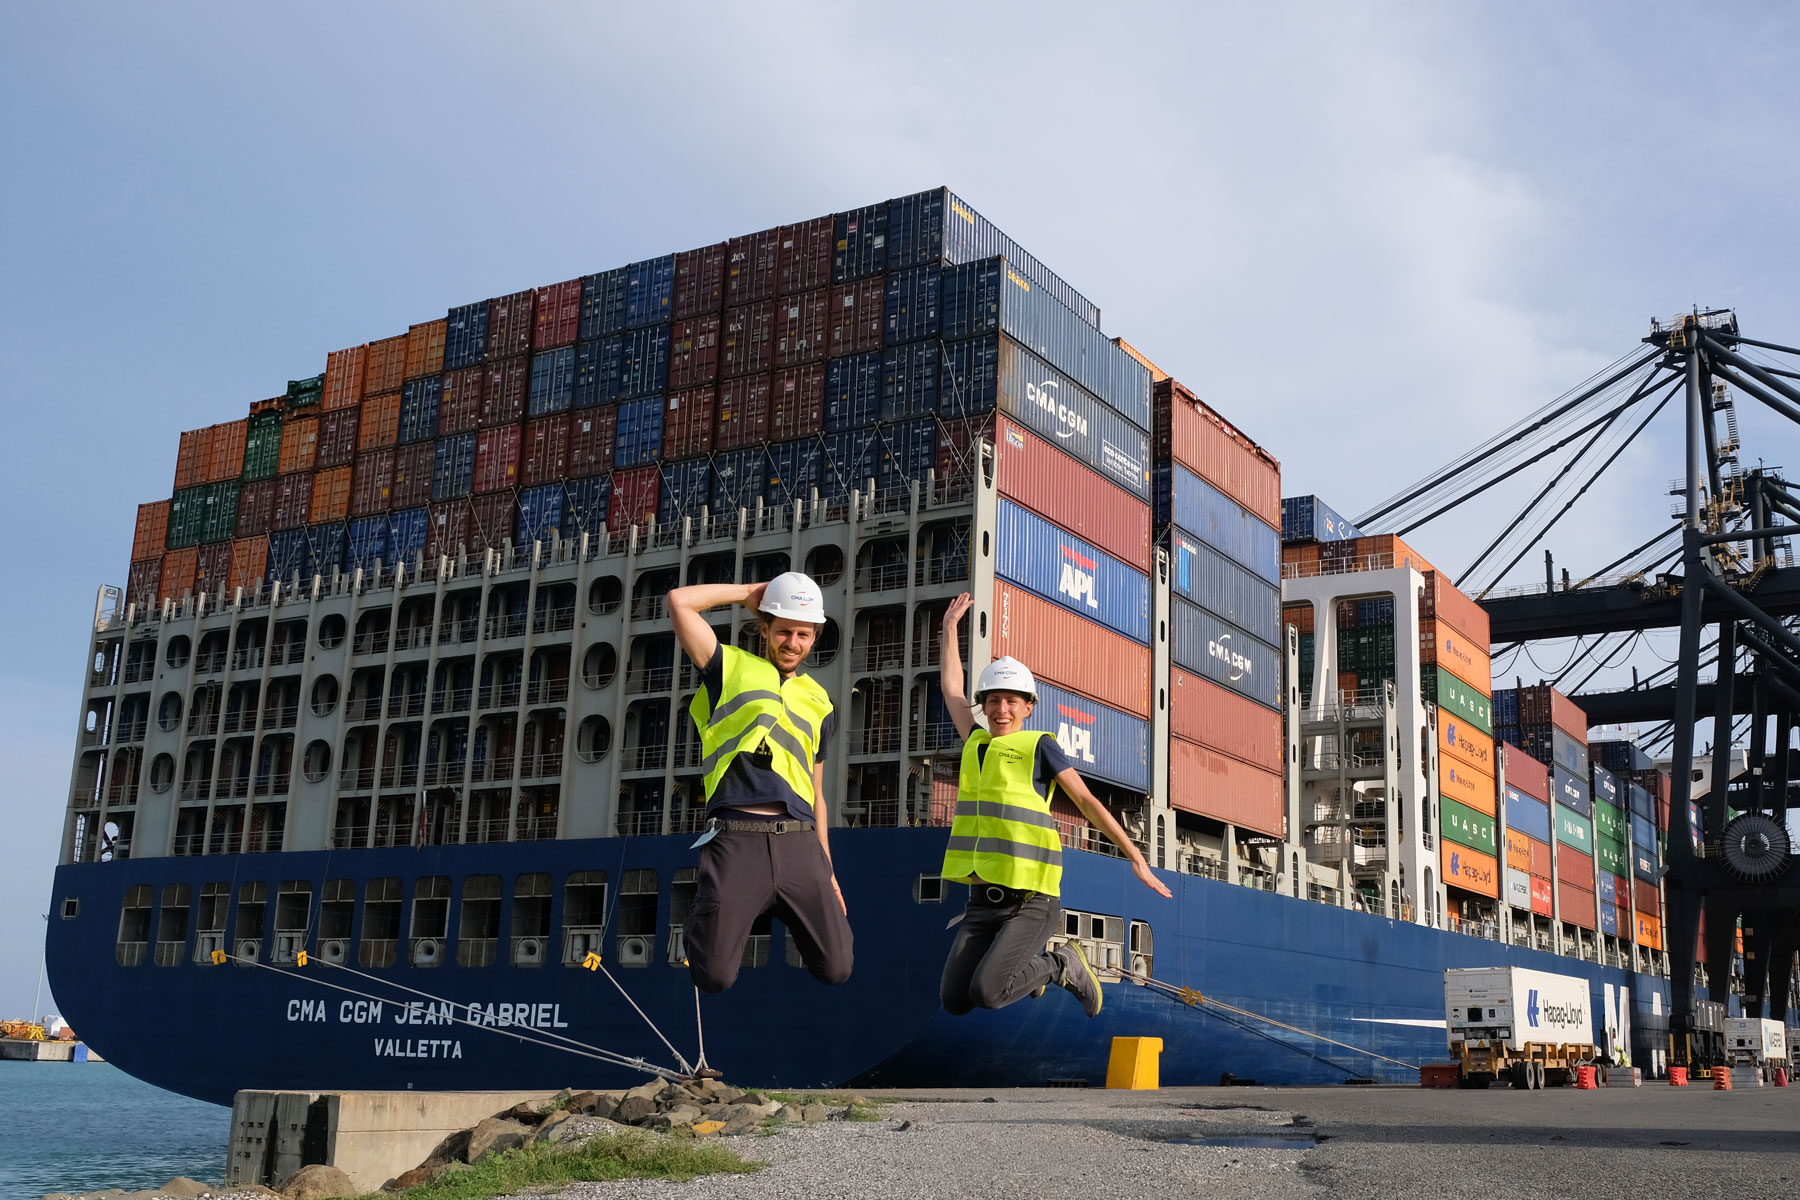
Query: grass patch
(833, 1099)
(613, 1156)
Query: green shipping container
(219, 518)
(1609, 822)
(1465, 826)
(187, 517)
(1611, 858)
(1574, 830)
(304, 392)
(262, 447)
(1458, 697)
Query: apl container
(1103, 742)
(1069, 571)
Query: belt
(723, 825)
(993, 893)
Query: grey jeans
(998, 956)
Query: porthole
(317, 763)
(599, 665)
(594, 739)
(168, 713)
(605, 595)
(324, 695)
(826, 565)
(180, 649)
(162, 773)
(331, 631)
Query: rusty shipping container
(593, 433)
(425, 349)
(225, 451)
(413, 469)
(1035, 473)
(379, 424)
(344, 378)
(1079, 654)
(384, 367)
(1206, 714)
(1210, 784)
(511, 321)
(496, 458)
(544, 453)
(694, 352)
(699, 281)
(558, 315)
(688, 423)
(192, 458)
(337, 438)
(1210, 446)
(152, 530)
(461, 402)
(372, 484)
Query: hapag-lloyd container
(1526, 773)
(1059, 646)
(1455, 696)
(1443, 603)
(1463, 742)
(1467, 826)
(1221, 586)
(1470, 870)
(1066, 570)
(1103, 742)
(1058, 488)
(1223, 653)
(1222, 523)
(1209, 445)
(1440, 644)
(1463, 783)
(1518, 851)
(1203, 781)
(1573, 829)
(1529, 816)
(1206, 714)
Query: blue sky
(1372, 234)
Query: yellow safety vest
(1003, 832)
(757, 710)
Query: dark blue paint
(638, 437)
(325, 545)
(853, 391)
(289, 553)
(1643, 804)
(1222, 652)
(552, 381)
(1224, 587)
(419, 409)
(465, 335)
(686, 489)
(1310, 519)
(453, 468)
(543, 511)
(595, 361)
(737, 478)
(913, 300)
(1570, 790)
(585, 504)
(861, 248)
(1103, 742)
(1224, 524)
(909, 380)
(1070, 572)
(649, 289)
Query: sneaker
(1079, 978)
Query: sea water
(72, 1127)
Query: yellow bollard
(1134, 1063)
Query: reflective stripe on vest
(1003, 832)
(758, 710)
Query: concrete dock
(20, 1050)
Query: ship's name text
(427, 1012)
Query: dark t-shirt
(1051, 762)
(750, 782)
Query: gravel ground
(1372, 1142)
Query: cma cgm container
(1063, 568)
(1103, 742)
(1223, 653)
(1223, 587)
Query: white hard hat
(1006, 675)
(794, 596)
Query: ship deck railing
(647, 680)
(554, 620)
(554, 691)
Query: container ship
(384, 748)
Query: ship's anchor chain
(551, 1041)
(1194, 999)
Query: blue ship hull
(208, 1031)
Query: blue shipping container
(552, 381)
(1049, 403)
(1224, 524)
(367, 544)
(1605, 788)
(649, 286)
(1062, 568)
(1223, 653)
(595, 361)
(853, 391)
(686, 488)
(794, 469)
(861, 249)
(1570, 790)
(852, 459)
(1224, 588)
(1620, 756)
(913, 300)
(1569, 753)
(638, 439)
(737, 478)
(1609, 916)
(1609, 888)
(970, 384)
(1643, 804)
(465, 335)
(542, 511)
(937, 226)
(289, 555)
(1644, 852)
(325, 548)
(419, 409)
(909, 380)
(1529, 816)
(408, 531)
(1310, 519)
(602, 304)
(585, 502)
(908, 450)
(990, 297)
(1506, 707)
(1103, 742)
(643, 362)
(453, 470)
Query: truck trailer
(1530, 1028)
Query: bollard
(1721, 1079)
(1586, 1078)
(1678, 1077)
(1134, 1063)
(1780, 1079)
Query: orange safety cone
(1678, 1077)
(1780, 1079)
(1586, 1078)
(1721, 1079)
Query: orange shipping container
(1649, 931)
(1213, 448)
(225, 451)
(249, 558)
(1077, 653)
(1218, 786)
(1470, 870)
(1466, 785)
(1300, 616)
(1469, 662)
(193, 458)
(425, 348)
(178, 573)
(386, 365)
(1462, 741)
(380, 422)
(1444, 604)
(152, 531)
(331, 495)
(1518, 851)
(1202, 712)
(299, 445)
(344, 377)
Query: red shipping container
(152, 531)
(804, 262)
(1300, 616)
(1527, 774)
(1207, 444)
(1574, 867)
(1443, 603)
(503, 396)
(412, 475)
(1540, 858)
(337, 437)
(492, 519)
(193, 458)
(225, 450)
(372, 485)
(856, 312)
(1579, 907)
(1216, 785)
(1077, 653)
(256, 507)
(1542, 897)
(293, 501)
(384, 369)
(558, 315)
(1206, 714)
(331, 495)
(634, 497)
(1644, 897)
(462, 400)
(797, 403)
(449, 533)
(544, 457)
(591, 434)
(249, 558)
(212, 568)
(743, 412)
(511, 322)
(751, 263)
(497, 458)
(688, 423)
(379, 424)
(1069, 495)
(746, 341)
(694, 352)
(178, 568)
(141, 583)
(425, 348)
(699, 281)
(344, 378)
(803, 328)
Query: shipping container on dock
(1079, 654)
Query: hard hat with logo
(794, 596)
(1005, 675)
